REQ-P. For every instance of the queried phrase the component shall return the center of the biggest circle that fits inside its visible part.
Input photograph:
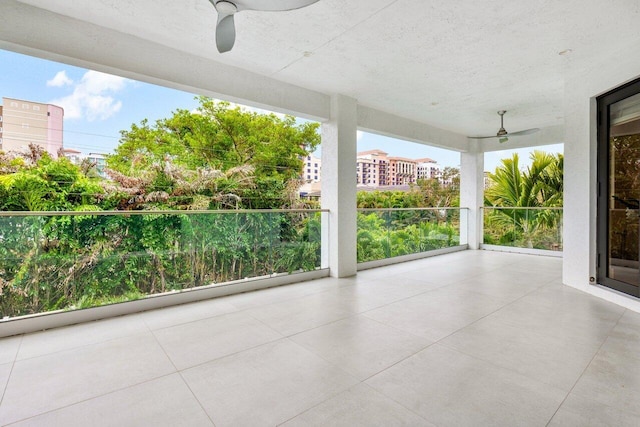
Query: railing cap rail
(534, 208)
(443, 208)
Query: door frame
(603, 170)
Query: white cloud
(59, 80)
(359, 135)
(92, 97)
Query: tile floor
(472, 338)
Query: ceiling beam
(37, 32)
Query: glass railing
(69, 260)
(529, 228)
(388, 233)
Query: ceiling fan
(502, 134)
(226, 29)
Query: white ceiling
(450, 64)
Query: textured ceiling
(451, 64)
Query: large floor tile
(9, 348)
(177, 315)
(441, 275)
(436, 314)
(613, 377)
(197, 342)
(300, 314)
(625, 336)
(449, 388)
(564, 313)
(265, 386)
(67, 338)
(358, 406)
(360, 346)
(504, 290)
(284, 293)
(166, 401)
(56, 380)
(577, 411)
(542, 357)
(374, 294)
(5, 370)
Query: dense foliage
(527, 202)
(386, 234)
(214, 158)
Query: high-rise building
(26, 122)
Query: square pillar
(472, 194)
(339, 152)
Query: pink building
(26, 122)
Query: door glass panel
(624, 191)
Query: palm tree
(540, 185)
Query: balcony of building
(468, 338)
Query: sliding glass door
(619, 189)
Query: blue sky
(97, 106)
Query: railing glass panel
(69, 260)
(388, 233)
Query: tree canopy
(232, 156)
(519, 194)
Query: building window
(36, 108)
(25, 106)
(25, 126)
(14, 104)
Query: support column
(339, 150)
(472, 194)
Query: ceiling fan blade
(272, 5)
(483, 137)
(525, 132)
(225, 33)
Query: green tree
(217, 137)
(540, 185)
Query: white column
(339, 148)
(472, 194)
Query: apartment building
(77, 157)
(402, 171)
(427, 168)
(372, 168)
(312, 169)
(26, 122)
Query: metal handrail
(535, 208)
(409, 209)
(153, 212)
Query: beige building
(402, 171)
(375, 169)
(372, 168)
(25, 122)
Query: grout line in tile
(15, 358)
(88, 399)
(586, 367)
(83, 345)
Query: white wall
(583, 83)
